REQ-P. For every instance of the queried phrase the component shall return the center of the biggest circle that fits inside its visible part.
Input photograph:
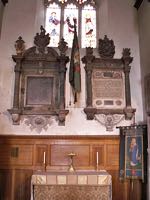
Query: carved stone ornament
(41, 40)
(20, 46)
(62, 46)
(61, 116)
(126, 52)
(109, 121)
(126, 56)
(38, 123)
(106, 48)
(40, 74)
(15, 118)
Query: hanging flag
(75, 71)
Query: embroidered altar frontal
(71, 192)
(74, 186)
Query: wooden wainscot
(23, 156)
(40, 74)
(107, 85)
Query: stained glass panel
(88, 27)
(64, 1)
(70, 12)
(52, 25)
(59, 28)
(81, 1)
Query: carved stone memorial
(107, 85)
(40, 74)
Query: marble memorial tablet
(108, 89)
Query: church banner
(133, 151)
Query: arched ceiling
(4, 1)
(136, 4)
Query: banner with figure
(133, 151)
(134, 156)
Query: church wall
(123, 28)
(1, 14)
(117, 19)
(144, 35)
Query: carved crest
(106, 48)
(41, 40)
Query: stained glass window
(52, 25)
(57, 13)
(70, 12)
(88, 27)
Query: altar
(78, 185)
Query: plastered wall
(117, 19)
(144, 37)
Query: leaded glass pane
(70, 12)
(62, 1)
(81, 1)
(88, 27)
(52, 25)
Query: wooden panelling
(59, 155)
(101, 155)
(6, 189)
(39, 154)
(21, 155)
(28, 152)
(5, 154)
(16, 154)
(15, 184)
(112, 155)
(22, 184)
(120, 189)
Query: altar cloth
(79, 185)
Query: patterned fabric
(84, 185)
(71, 192)
(103, 179)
